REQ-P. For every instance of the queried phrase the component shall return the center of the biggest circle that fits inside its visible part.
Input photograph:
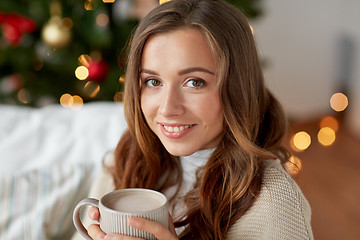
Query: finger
(95, 232)
(155, 228)
(120, 237)
(94, 213)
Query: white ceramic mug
(116, 207)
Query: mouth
(175, 130)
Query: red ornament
(16, 81)
(14, 26)
(11, 34)
(98, 70)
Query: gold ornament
(57, 31)
(163, 1)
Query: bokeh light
(88, 5)
(300, 141)
(326, 136)
(102, 19)
(294, 165)
(91, 89)
(77, 102)
(108, 1)
(122, 79)
(339, 102)
(84, 60)
(330, 122)
(66, 100)
(81, 72)
(74, 102)
(24, 96)
(67, 23)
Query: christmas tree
(70, 51)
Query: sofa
(49, 157)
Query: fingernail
(93, 215)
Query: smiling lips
(175, 131)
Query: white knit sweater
(280, 212)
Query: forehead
(185, 44)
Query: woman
(204, 130)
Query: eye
(195, 83)
(153, 82)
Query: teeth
(176, 129)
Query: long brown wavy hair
(254, 122)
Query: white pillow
(49, 157)
(38, 204)
(31, 138)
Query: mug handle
(76, 215)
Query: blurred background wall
(311, 54)
(311, 51)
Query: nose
(172, 102)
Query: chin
(180, 151)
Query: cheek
(147, 106)
(211, 110)
(217, 119)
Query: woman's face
(179, 94)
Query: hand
(155, 228)
(94, 230)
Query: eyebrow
(195, 69)
(181, 72)
(143, 70)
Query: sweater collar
(197, 159)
